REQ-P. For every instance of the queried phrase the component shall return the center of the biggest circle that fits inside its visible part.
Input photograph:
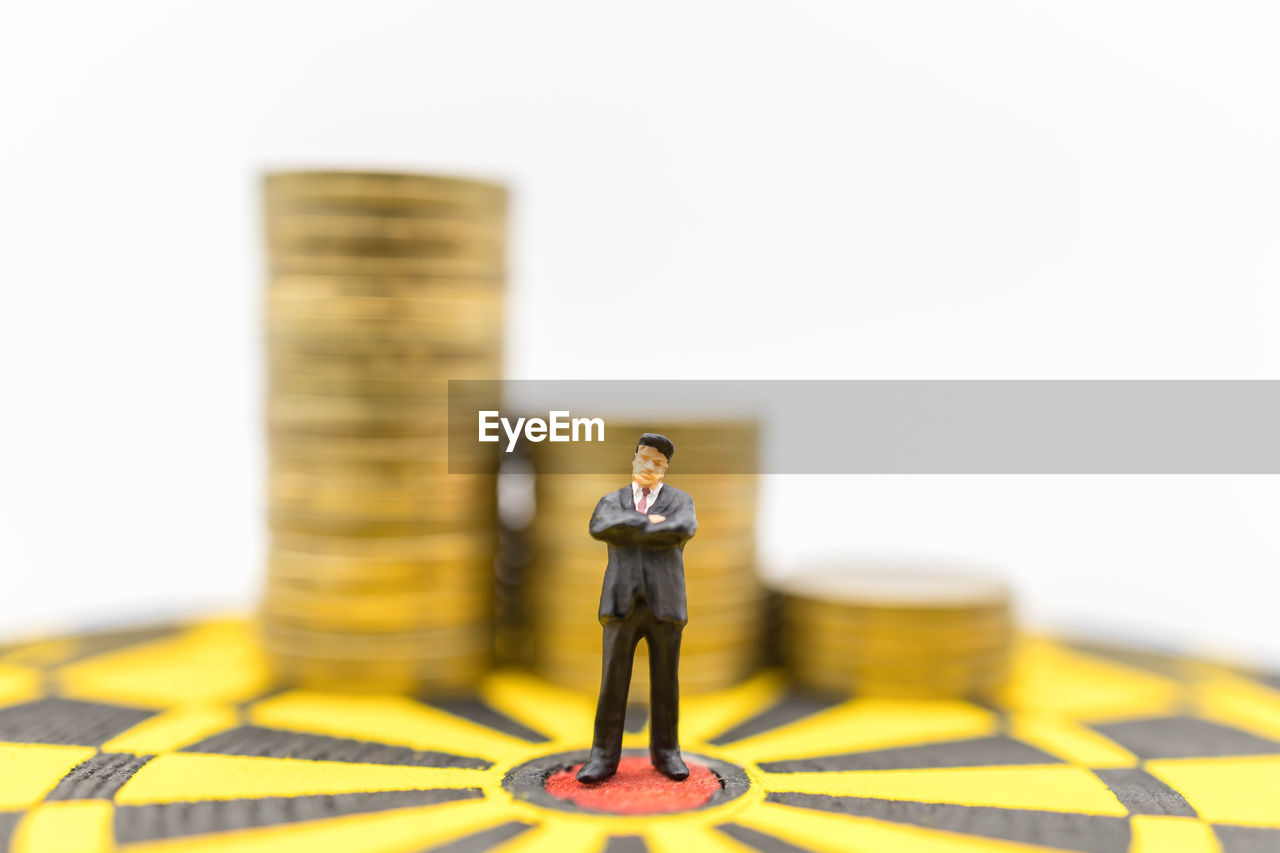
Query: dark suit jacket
(643, 556)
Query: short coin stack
(902, 631)
(382, 287)
(721, 643)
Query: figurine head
(653, 453)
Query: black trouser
(620, 640)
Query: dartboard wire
(835, 833)
(1038, 787)
(704, 716)
(703, 837)
(20, 684)
(395, 720)
(186, 777)
(1052, 678)
(1238, 700)
(565, 716)
(552, 836)
(216, 661)
(411, 828)
(863, 724)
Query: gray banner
(883, 427)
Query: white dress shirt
(653, 495)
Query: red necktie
(644, 499)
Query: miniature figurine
(646, 525)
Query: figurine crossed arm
(617, 525)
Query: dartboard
(175, 738)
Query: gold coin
(413, 487)
(342, 287)
(436, 611)
(354, 508)
(464, 666)
(443, 546)
(928, 629)
(342, 186)
(405, 481)
(287, 235)
(488, 248)
(939, 672)
(432, 411)
(474, 366)
(358, 620)
(357, 385)
(281, 522)
(352, 417)
(397, 356)
(360, 496)
(435, 644)
(903, 588)
(363, 579)
(471, 665)
(296, 263)
(904, 658)
(831, 684)
(372, 349)
(408, 593)
(319, 458)
(287, 227)
(953, 681)
(902, 646)
(889, 623)
(432, 455)
(335, 570)
(376, 676)
(479, 325)
(455, 301)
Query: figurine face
(648, 466)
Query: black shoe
(671, 765)
(597, 770)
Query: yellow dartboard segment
(174, 738)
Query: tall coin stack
(382, 287)
(897, 631)
(721, 642)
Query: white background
(845, 190)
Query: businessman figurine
(645, 524)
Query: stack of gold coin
(901, 631)
(382, 287)
(721, 642)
